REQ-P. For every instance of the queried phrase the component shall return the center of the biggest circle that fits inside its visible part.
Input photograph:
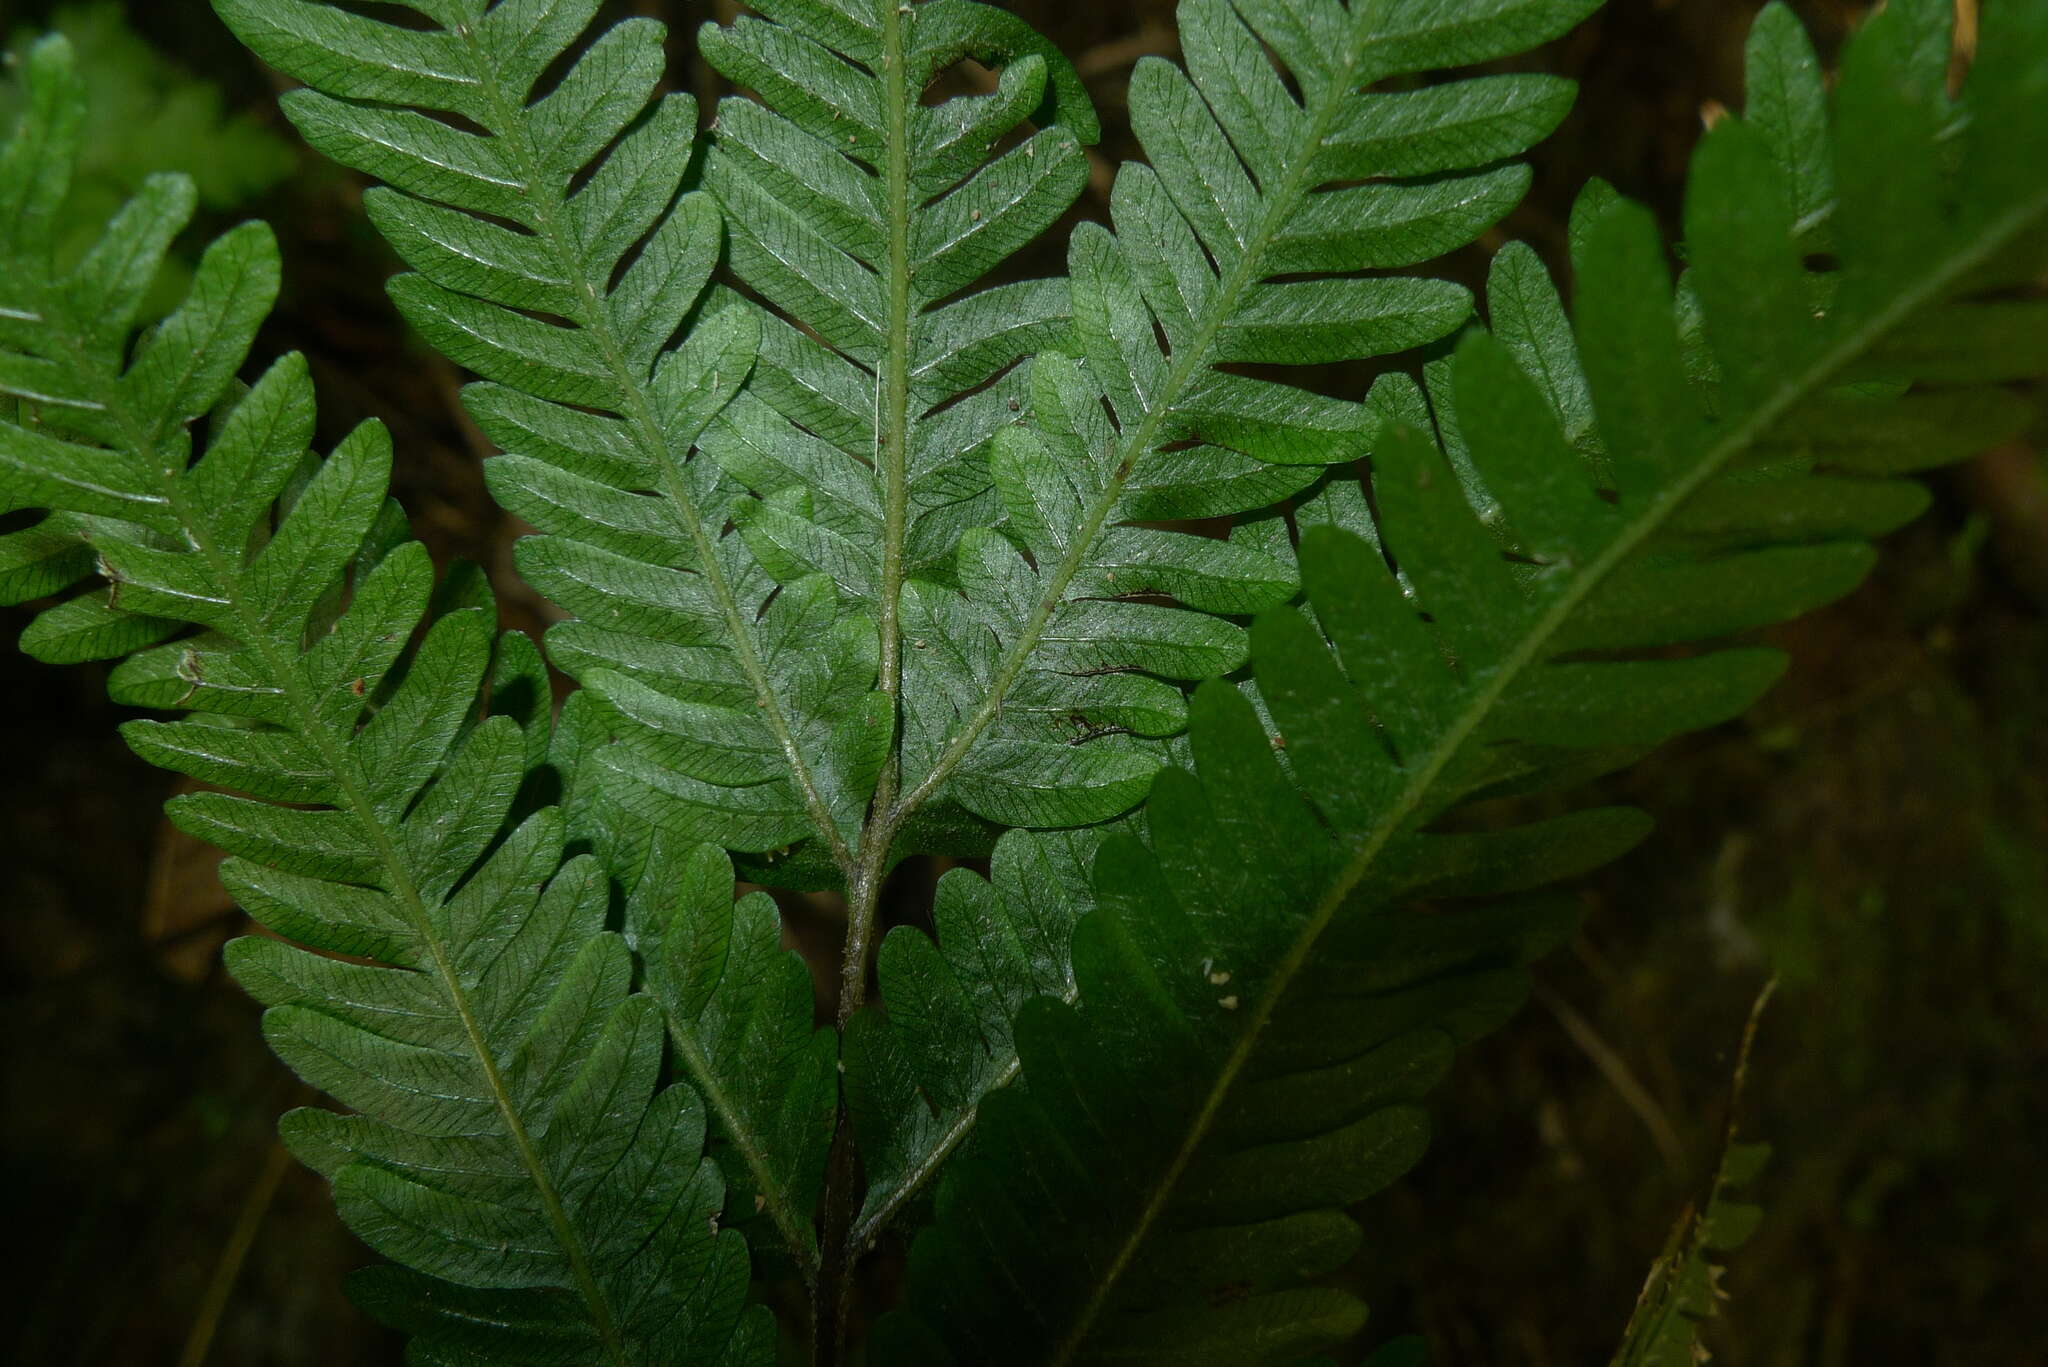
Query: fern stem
(892, 394)
(1796, 387)
(832, 1297)
(840, 1245)
(892, 435)
(878, 833)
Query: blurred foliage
(1876, 835)
(1684, 1289)
(148, 114)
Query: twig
(1619, 1076)
(227, 1269)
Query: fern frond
(507, 1140)
(1168, 1175)
(867, 219)
(556, 256)
(1250, 190)
(1684, 1286)
(912, 1088)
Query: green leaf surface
(1259, 1000)
(554, 253)
(508, 1131)
(739, 1013)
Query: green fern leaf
(507, 1138)
(865, 218)
(1256, 1013)
(727, 692)
(600, 412)
(1241, 196)
(912, 1089)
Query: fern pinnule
(911, 1089)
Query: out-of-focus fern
(1684, 1287)
(145, 115)
(508, 1140)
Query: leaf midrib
(1794, 391)
(892, 443)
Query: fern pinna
(508, 1132)
(861, 538)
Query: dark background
(1873, 834)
